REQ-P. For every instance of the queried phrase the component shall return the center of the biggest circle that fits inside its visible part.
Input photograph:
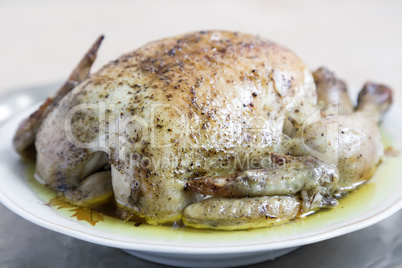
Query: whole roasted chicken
(212, 129)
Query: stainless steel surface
(23, 244)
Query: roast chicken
(212, 129)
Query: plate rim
(365, 220)
(355, 225)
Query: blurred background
(42, 41)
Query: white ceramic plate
(190, 247)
